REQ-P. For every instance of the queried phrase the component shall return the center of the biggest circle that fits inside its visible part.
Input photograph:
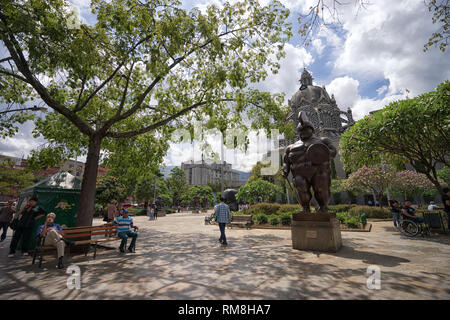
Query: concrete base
(317, 232)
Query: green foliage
(352, 222)
(109, 188)
(274, 219)
(444, 174)
(341, 207)
(413, 130)
(200, 191)
(286, 219)
(260, 218)
(258, 188)
(441, 15)
(371, 212)
(13, 180)
(289, 208)
(255, 174)
(266, 208)
(176, 183)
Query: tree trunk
(88, 187)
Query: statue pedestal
(316, 231)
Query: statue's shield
(318, 153)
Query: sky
(373, 58)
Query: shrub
(274, 219)
(371, 212)
(341, 207)
(352, 222)
(266, 208)
(286, 218)
(289, 208)
(260, 218)
(342, 216)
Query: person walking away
(395, 209)
(6, 215)
(124, 232)
(112, 211)
(222, 216)
(53, 235)
(446, 202)
(30, 213)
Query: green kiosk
(60, 194)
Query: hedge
(260, 218)
(286, 219)
(274, 219)
(266, 208)
(371, 212)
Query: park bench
(433, 219)
(241, 220)
(103, 233)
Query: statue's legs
(302, 188)
(321, 183)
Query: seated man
(409, 212)
(124, 223)
(53, 235)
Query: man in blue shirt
(124, 223)
(222, 216)
(53, 235)
(409, 212)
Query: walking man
(6, 215)
(222, 216)
(30, 213)
(396, 210)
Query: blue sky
(373, 58)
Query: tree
(200, 191)
(251, 191)
(373, 179)
(143, 68)
(444, 174)
(441, 15)
(176, 184)
(255, 174)
(109, 188)
(410, 184)
(13, 180)
(415, 130)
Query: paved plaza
(178, 257)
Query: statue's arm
(286, 162)
(330, 146)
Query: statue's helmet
(303, 121)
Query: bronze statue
(309, 161)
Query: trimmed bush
(266, 208)
(286, 219)
(260, 218)
(342, 216)
(352, 222)
(341, 207)
(274, 219)
(289, 208)
(371, 212)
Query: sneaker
(225, 243)
(60, 263)
(24, 254)
(11, 255)
(122, 250)
(130, 250)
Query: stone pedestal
(316, 232)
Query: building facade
(203, 173)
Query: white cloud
(318, 46)
(345, 90)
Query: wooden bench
(103, 233)
(241, 220)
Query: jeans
(4, 225)
(124, 235)
(396, 218)
(152, 216)
(25, 234)
(222, 232)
